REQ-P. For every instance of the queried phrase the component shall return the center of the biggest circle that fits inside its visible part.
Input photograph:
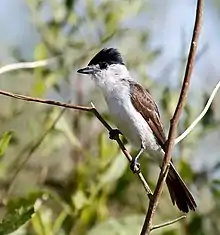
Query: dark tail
(179, 193)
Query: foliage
(19, 211)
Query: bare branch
(168, 223)
(174, 121)
(26, 65)
(91, 109)
(38, 100)
(199, 118)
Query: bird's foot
(114, 133)
(135, 165)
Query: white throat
(111, 77)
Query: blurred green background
(61, 163)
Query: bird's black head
(102, 60)
(108, 56)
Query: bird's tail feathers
(179, 193)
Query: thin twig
(26, 65)
(91, 109)
(174, 121)
(168, 223)
(51, 102)
(201, 115)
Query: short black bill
(88, 70)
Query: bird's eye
(103, 65)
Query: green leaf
(23, 202)
(19, 211)
(14, 220)
(4, 141)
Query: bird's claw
(135, 166)
(114, 133)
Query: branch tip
(168, 223)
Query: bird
(136, 115)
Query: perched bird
(137, 117)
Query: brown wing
(144, 104)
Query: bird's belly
(127, 127)
(132, 125)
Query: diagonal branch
(91, 109)
(174, 121)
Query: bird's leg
(114, 133)
(135, 165)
